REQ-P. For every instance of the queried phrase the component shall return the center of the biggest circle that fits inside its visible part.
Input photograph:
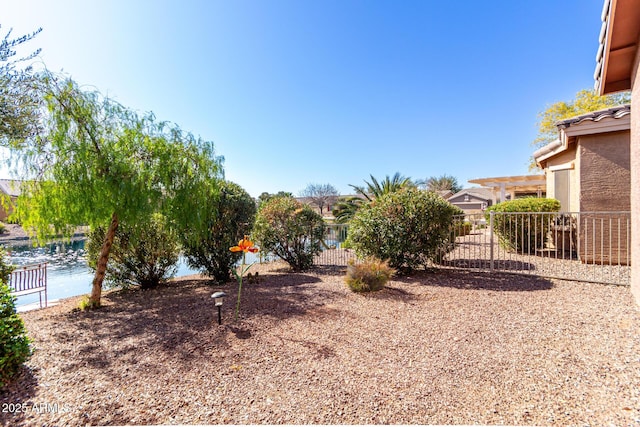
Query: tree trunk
(101, 268)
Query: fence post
(491, 255)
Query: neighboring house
(618, 69)
(513, 187)
(11, 188)
(587, 167)
(472, 200)
(445, 194)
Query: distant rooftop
(10, 187)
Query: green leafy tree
(585, 101)
(265, 196)
(20, 102)
(229, 217)
(409, 228)
(99, 163)
(290, 230)
(145, 253)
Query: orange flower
(244, 245)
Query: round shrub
(290, 230)
(409, 228)
(370, 275)
(144, 254)
(14, 343)
(518, 231)
(230, 217)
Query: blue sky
(298, 92)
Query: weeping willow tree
(19, 102)
(100, 164)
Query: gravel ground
(433, 348)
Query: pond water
(67, 272)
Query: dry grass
(433, 348)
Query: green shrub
(143, 254)
(371, 275)
(231, 216)
(5, 269)
(290, 230)
(3, 227)
(14, 343)
(410, 228)
(519, 232)
(461, 227)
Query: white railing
(29, 279)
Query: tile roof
(480, 192)
(595, 116)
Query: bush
(371, 275)
(518, 232)
(231, 216)
(461, 227)
(410, 228)
(5, 269)
(143, 254)
(290, 230)
(14, 343)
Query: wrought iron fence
(582, 246)
(334, 251)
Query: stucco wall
(635, 179)
(562, 159)
(605, 178)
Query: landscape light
(218, 298)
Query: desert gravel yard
(442, 347)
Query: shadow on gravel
(16, 399)
(175, 324)
(391, 293)
(282, 296)
(504, 265)
(478, 280)
(177, 319)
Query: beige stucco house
(618, 69)
(587, 170)
(587, 167)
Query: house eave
(618, 46)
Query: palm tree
(441, 183)
(346, 208)
(375, 189)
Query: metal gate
(580, 246)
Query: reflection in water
(67, 271)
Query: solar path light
(218, 297)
